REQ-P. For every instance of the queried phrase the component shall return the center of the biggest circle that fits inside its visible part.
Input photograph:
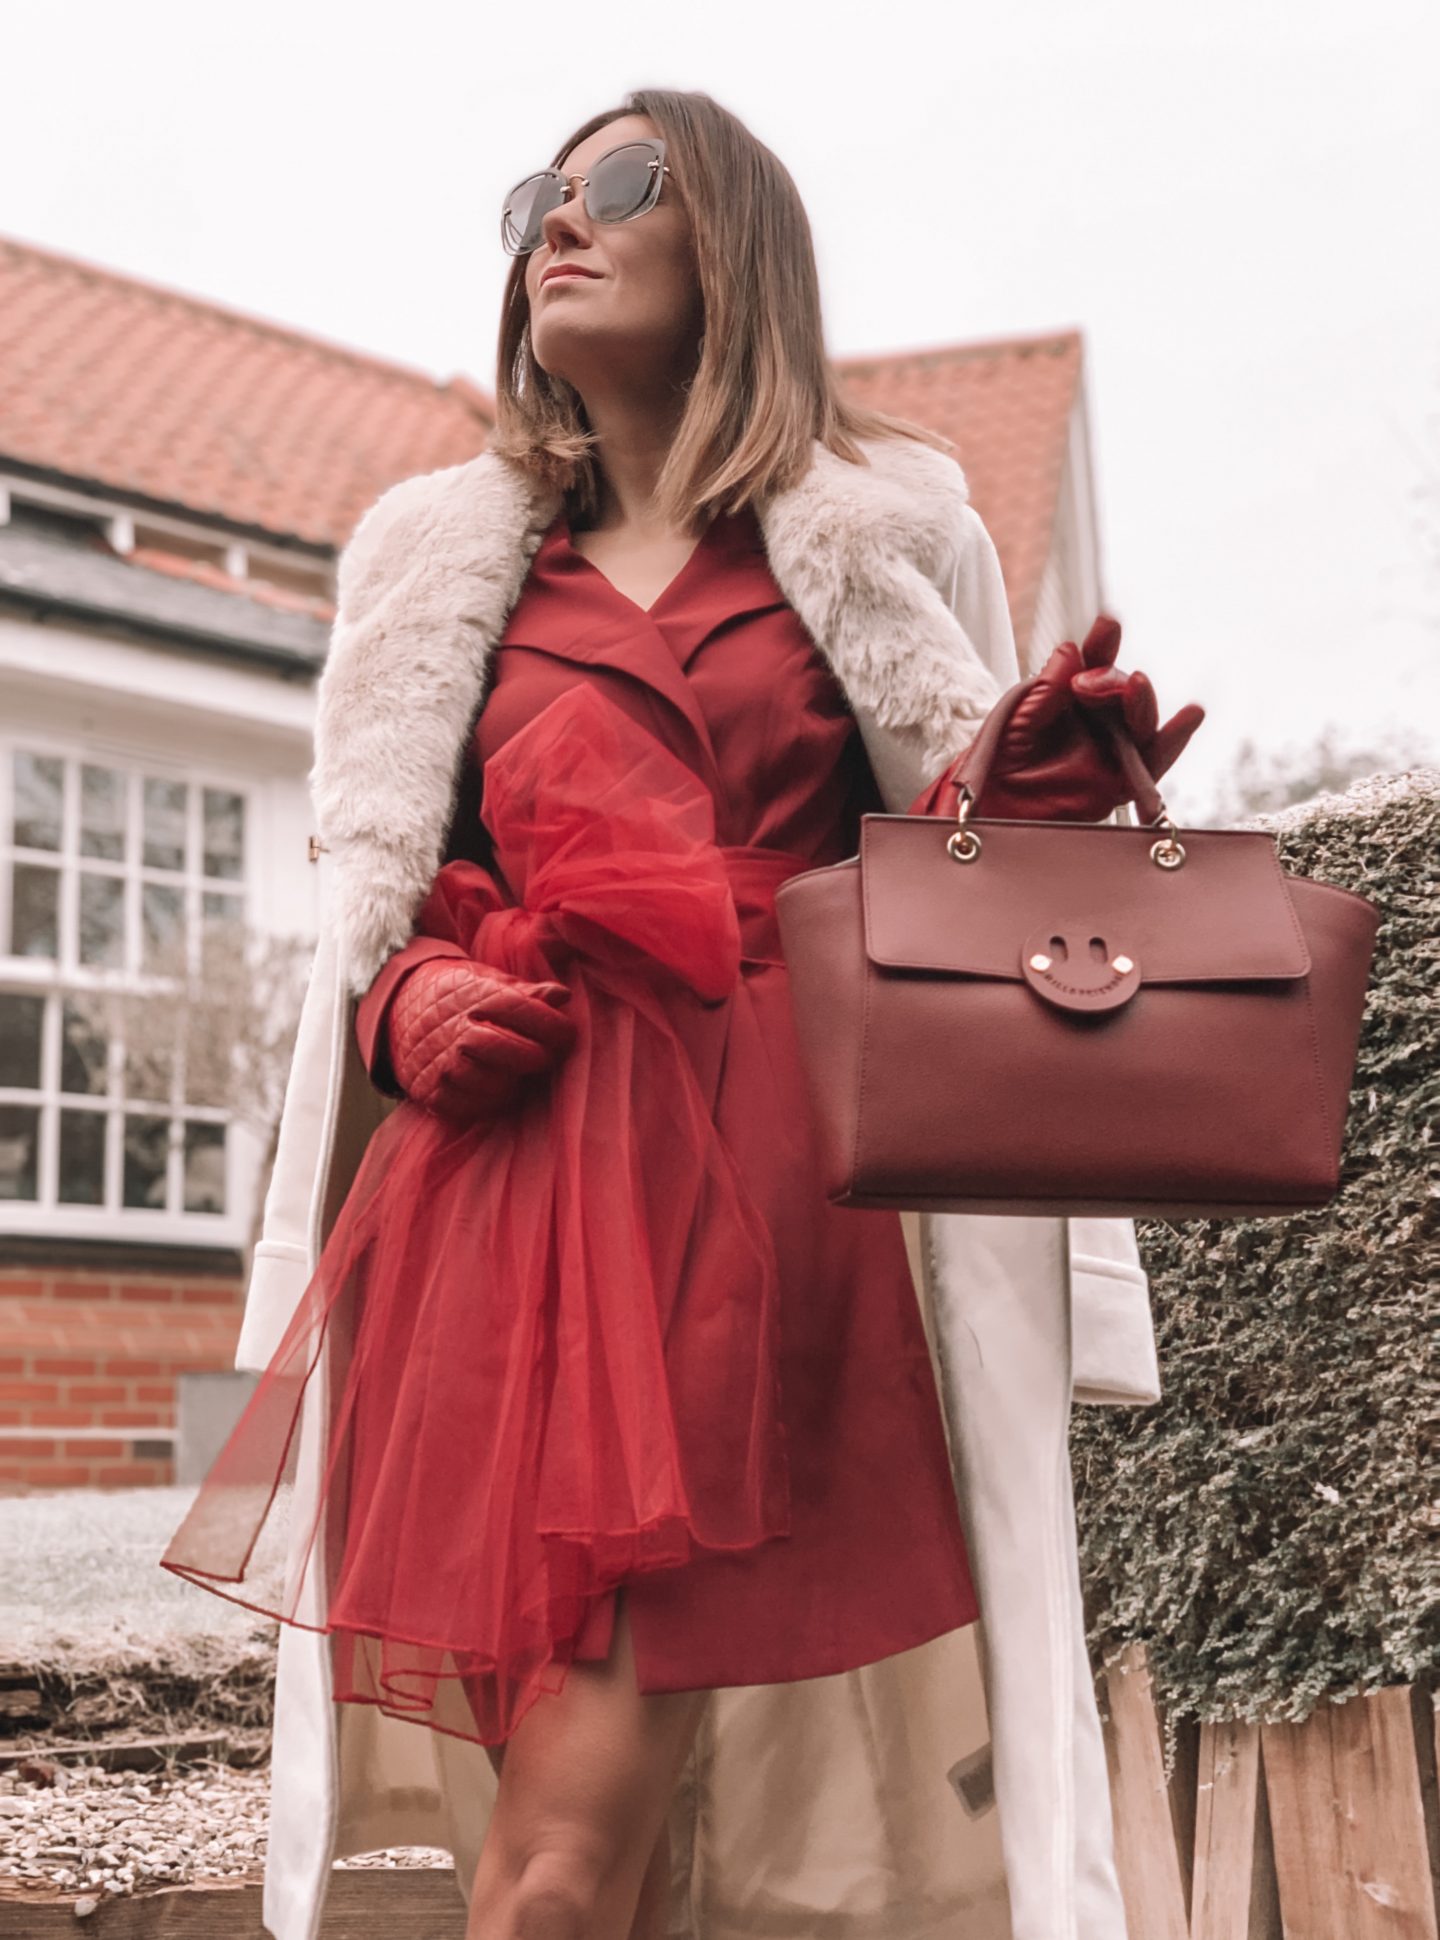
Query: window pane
(209, 1055)
(162, 925)
(102, 919)
(82, 1158)
(224, 834)
(149, 1057)
(218, 908)
(164, 846)
(20, 1021)
(19, 1151)
(102, 813)
(147, 1142)
(83, 1051)
(222, 940)
(34, 911)
(204, 1168)
(39, 789)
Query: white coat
(841, 1807)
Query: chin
(575, 355)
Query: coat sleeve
(323, 1074)
(975, 593)
(978, 599)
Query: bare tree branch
(1258, 782)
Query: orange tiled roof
(145, 390)
(148, 391)
(1006, 404)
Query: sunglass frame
(658, 166)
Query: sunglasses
(624, 183)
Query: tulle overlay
(542, 1322)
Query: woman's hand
(1054, 760)
(465, 1037)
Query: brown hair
(763, 389)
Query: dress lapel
(726, 579)
(570, 608)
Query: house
(176, 479)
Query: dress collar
(731, 548)
(569, 607)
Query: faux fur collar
(863, 553)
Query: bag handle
(976, 758)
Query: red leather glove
(465, 1037)
(1052, 762)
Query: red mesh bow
(595, 1250)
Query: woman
(605, 1411)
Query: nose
(569, 221)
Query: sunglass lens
(526, 206)
(623, 183)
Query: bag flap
(1224, 913)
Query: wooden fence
(1326, 1830)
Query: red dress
(618, 1337)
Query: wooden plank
(1348, 1821)
(146, 1754)
(1225, 1826)
(363, 1903)
(1302, 1819)
(1265, 1921)
(1235, 1895)
(1393, 1861)
(1184, 1801)
(1146, 1856)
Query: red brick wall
(90, 1351)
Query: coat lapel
(436, 565)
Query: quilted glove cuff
(464, 1036)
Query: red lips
(566, 269)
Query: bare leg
(577, 1846)
(653, 1907)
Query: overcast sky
(1235, 202)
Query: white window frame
(54, 979)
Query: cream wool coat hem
(955, 1791)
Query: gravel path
(82, 1830)
(88, 1830)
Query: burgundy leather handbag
(1055, 1017)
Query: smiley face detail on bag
(1077, 967)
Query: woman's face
(634, 321)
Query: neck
(635, 431)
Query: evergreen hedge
(1270, 1530)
